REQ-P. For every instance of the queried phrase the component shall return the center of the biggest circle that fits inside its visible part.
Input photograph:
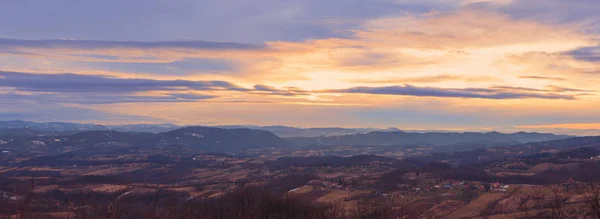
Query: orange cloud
(398, 44)
(577, 126)
(467, 50)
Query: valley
(505, 175)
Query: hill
(514, 151)
(430, 138)
(334, 161)
(218, 139)
(50, 126)
(202, 138)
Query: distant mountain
(218, 139)
(203, 138)
(430, 138)
(29, 132)
(569, 142)
(300, 136)
(50, 126)
(153, 128)
(507, 152)
(286, 131)
(78, 127)
(282, 131)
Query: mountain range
(429, 138)
(203, 138)
(58, 137)
(53, 128)
(282, 131)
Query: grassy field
(474, 208)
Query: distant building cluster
(330, 185)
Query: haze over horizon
(505, 65)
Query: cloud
(463, 29)
(194, 66)
(566, 89)
(519, 89)
(98, 89)
(554, 11)
(298, 57)
(385, 48)
(222, 20)
(88, 99)
(462, 41)
(95, 44)
(493, 2)
(243, 21)
(556, 65)
(102, 84)
(579, 126)
(288, 91)
(27, 108)
(426, 79)
(589, 54)
(549, 88)
(481, 93)
(356, 58)
(129, 51)
(542, 78)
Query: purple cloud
(482, 93)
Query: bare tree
(592, 199)
(115, 209)
(24, 207)
(557, 202)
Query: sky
(504, 65)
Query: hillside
(430, 138)
(282, 131)
(202, 138)
(50, 126)
(218, 139)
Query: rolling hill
(203, 138)
(429, 138)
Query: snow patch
(122, 195)
(36, 142)
(10, 197)
(197, 135)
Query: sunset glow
(426, 65)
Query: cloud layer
(456, 64)
(483, 93)
(100, 89)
